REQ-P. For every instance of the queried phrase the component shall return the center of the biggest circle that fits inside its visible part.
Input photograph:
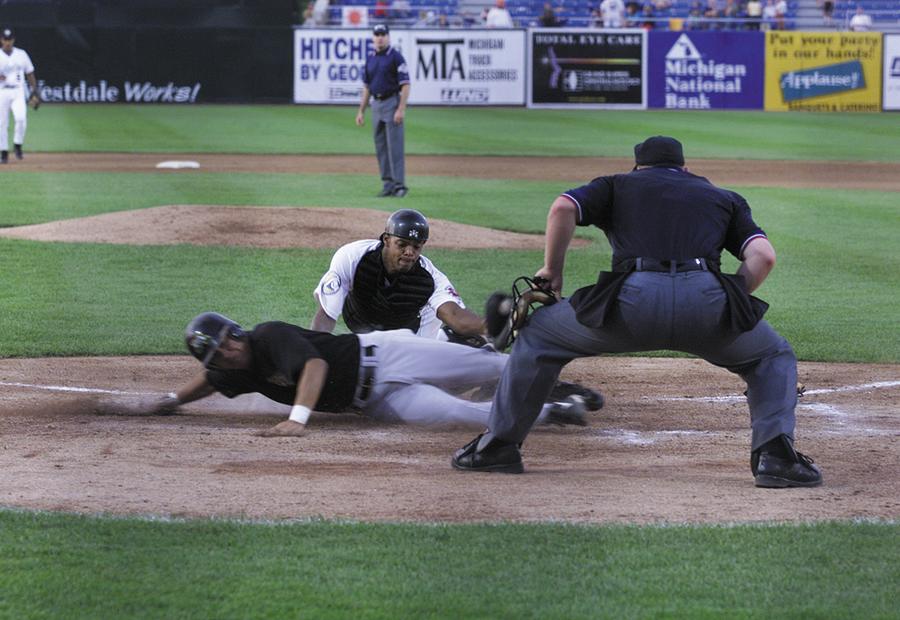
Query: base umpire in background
(667, 229)
(386, 80)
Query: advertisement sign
(354, 17)
(103, 91)
(891, 72)
(587, 68)
(467, 67)
(446, 67)
(706, 70)
(823, 71)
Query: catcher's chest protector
(377, 303)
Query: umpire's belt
(368, 362)
(670, 266)
(385, 96)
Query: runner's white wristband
(300, 414)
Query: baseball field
(649, 511)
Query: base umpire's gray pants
(655, 311)
(388, 142)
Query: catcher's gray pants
(411, 377)
(654, 311)
(388, 142)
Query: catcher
(393, 376)
(386, 283)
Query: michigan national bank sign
(706, 70)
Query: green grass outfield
(833, 294)
(61, 566)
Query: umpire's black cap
(380, 29)
(7, 33)
(659, 151)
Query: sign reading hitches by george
(446, 67)
(587, 68)
(706, 70)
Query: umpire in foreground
(386, 81)
(667, 229)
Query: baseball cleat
(18, 149)
(593, 399)
(4, 157)
(387, 191)
(401, 191)
(570, 412)
(497, 456)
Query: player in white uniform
(15, 68)
(385, 284)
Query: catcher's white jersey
(337, 283)
(14, 67)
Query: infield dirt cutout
(671, 445)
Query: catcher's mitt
(506, 314)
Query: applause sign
(587, 68)
(446, 67)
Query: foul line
(62, 388)
(847, 388)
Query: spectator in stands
(647, 15)
(768, 15)
(380, 12)
(498, 16)
(695, 16)
(549, 18)
(781, 10)
(730, 13)
(631, 14)
(320, 13)
(754, 14)
(400, 11)
(827, 12)
(443, 21)
(860, 22)
(612, 12)
(712, 15)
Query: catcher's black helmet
(407, 224)
(205, 333)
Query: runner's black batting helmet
(407, 224)
(207, 331)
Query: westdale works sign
(127, 92)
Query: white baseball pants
(12, 99)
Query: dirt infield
(883, 176)
(670, 446)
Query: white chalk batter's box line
(864, 387)
(708, 399)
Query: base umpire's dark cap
(380, 29)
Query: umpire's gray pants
(654, 311)
(388, 142)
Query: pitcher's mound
(260, 227)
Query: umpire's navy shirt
(665, 214)
(385, 72)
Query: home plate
(177, 165)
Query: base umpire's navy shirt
(665, 214)
(385, 72)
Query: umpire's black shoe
(776, 464)
(4, 157)
(593, 399)
(18, 150)
(497, 456)
(387, 191)
(401, 191)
